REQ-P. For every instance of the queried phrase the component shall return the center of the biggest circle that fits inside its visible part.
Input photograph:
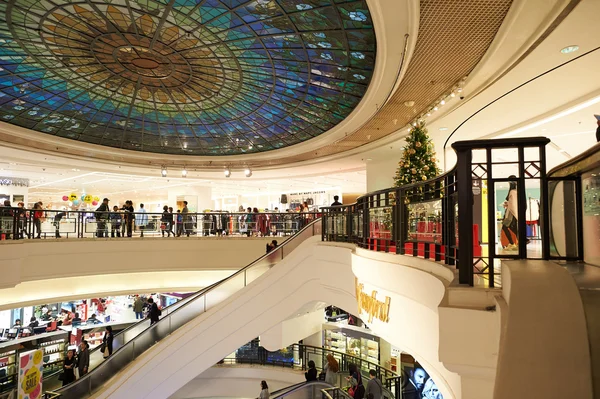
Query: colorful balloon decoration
(94, 203)
(75, 202)
(96, 198)
(65, 198)
(73, 196)
(88, 198)
(82, 198)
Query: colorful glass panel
(198, 77)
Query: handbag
(163, 226)
(106, 353)
(102, 347)
(351, 391)
(61, 376)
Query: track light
(442, 102)
(227, 172)
(248, 172)
(184, 172)
(163, 171)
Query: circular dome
(197, 77)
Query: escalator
(311, 390)
(135, 342)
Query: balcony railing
(19, 223)
(455, 218)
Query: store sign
(13, 181)
(31, 368)
(309, 193)
(370, 305)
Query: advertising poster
(417, 384)
(31, 367)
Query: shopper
(331, 369)
(179, 223)
(57, 218)
(38, 214)
(47, 316)
(271, 246)
(141, 219)
(154, 313)
(128, 213)
(83, 358)
(21, 215)
(165, 225)
(357, 389)
(68, 375)
(107, 342)
(6, 218)
(264, 390)
(115, 222)
(102, 215)
(93, 320)
(510, 225)
(138, 307)
(17, 324)
(186, 219)
(598, 130)
(311, 374)
(33, 322)
(336, 201)
(76, 320)
(374, 386)
(171, 221)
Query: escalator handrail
(298, 387)
(279, 249)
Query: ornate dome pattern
(197, 77)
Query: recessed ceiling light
(569, 49)
(409, 103)
(75, 170)
(369, 159)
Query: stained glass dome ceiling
(197, 77)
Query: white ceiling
(49, 183)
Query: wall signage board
(31, 368)
(370, 305)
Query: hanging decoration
(65, 198)
(94, 203)
(73, 197)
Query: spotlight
(163, 171)
(435, 108)
(452, 95)
(184, 172)
(248, 172)
(227, 172)
(443, 102)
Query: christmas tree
(418, 159)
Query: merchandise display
(352, 342)
(53, 344)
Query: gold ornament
(414, 171)
(424, 177)
(412, 151)
(418, 144)
(426, 167)
(432, 159)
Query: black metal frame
(454, 190)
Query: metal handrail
(130, 351)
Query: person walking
(336, 201)
(138, 307)
(179, 219)
(141, 219)
(107, 342)
(154, 313)
(129, 217)
(164, 221)
(69, 368)
(83, 358)
(374, 386)
(186, 221)
(311, 374)
(115, 222)
(331, 369)
(171, 221)
(264, 390)
(38, 214)
(102, 215)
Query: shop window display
(417, 383)
(425, 222)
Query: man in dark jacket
(83, 358)
(154, 313)
(311, 374)
(102, 213)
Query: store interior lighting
(248, 172)
(163, 171)
(184, 172)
